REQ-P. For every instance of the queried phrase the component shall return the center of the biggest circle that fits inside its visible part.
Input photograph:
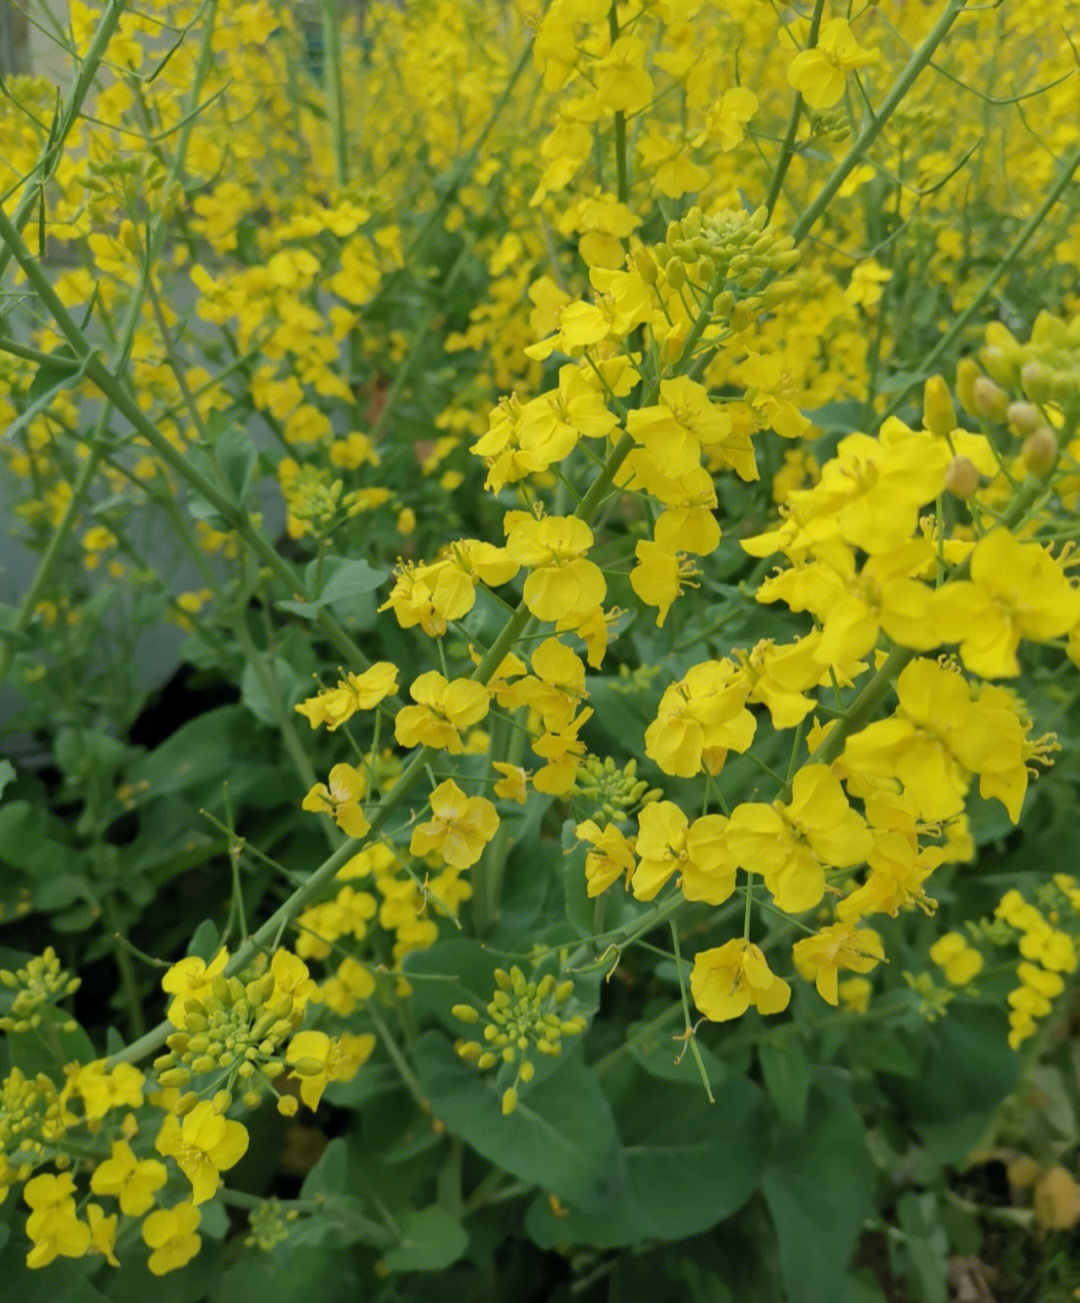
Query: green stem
(1005, 265)
(46, 164)
(787, 149)
(872, 129)
(334, 90)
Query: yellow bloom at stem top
(460, 827)
(819, 73)
(204, 1145)
(726, 981)
(170, 1233)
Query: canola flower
(671, 363)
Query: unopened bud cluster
(614, 792)
(268, 1223)
(731, 251)
(523, 1016)
(236, 1029)
(31, 1121)
(41, 982)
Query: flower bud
(675, 274)
(939, 414)
(646, 265)
(966, 375)
(962, 479)
(1023, 418)
(465, 1012)
(287, 1106)
(174, 1077)
(307, 1066)
(991, 400)
(1035, 379)
(1039, 451)
(509, 1101)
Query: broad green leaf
(431, 1239)
(819, 1187)
(786, 1075)
(689, 1164)
(561, 1136)
(290, 1274)
(342, 582)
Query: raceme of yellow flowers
(652, 318)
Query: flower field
(539, 646)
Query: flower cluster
(524, 1015)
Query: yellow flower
(318, 1059)
(341, 798)
(818, 73)
(726, 981)
(444, 708)
(960, 960)
(170, 1232)
(190, 979)
(460, 829)
(204, 1146)
(562, 582)
(127, 1179)
(840, 946)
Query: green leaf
(51, 379)
(343, 582)
(689, 1164)
(786, 1075)
(430, 1240)
(560, 1137)
(290, 1274)
(255, 696)
(819, 1187)
(580, 909)
(205, 941)
(237, 457)
(7, 774)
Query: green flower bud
(1039, 451)
(939, 414)
(675, 274)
